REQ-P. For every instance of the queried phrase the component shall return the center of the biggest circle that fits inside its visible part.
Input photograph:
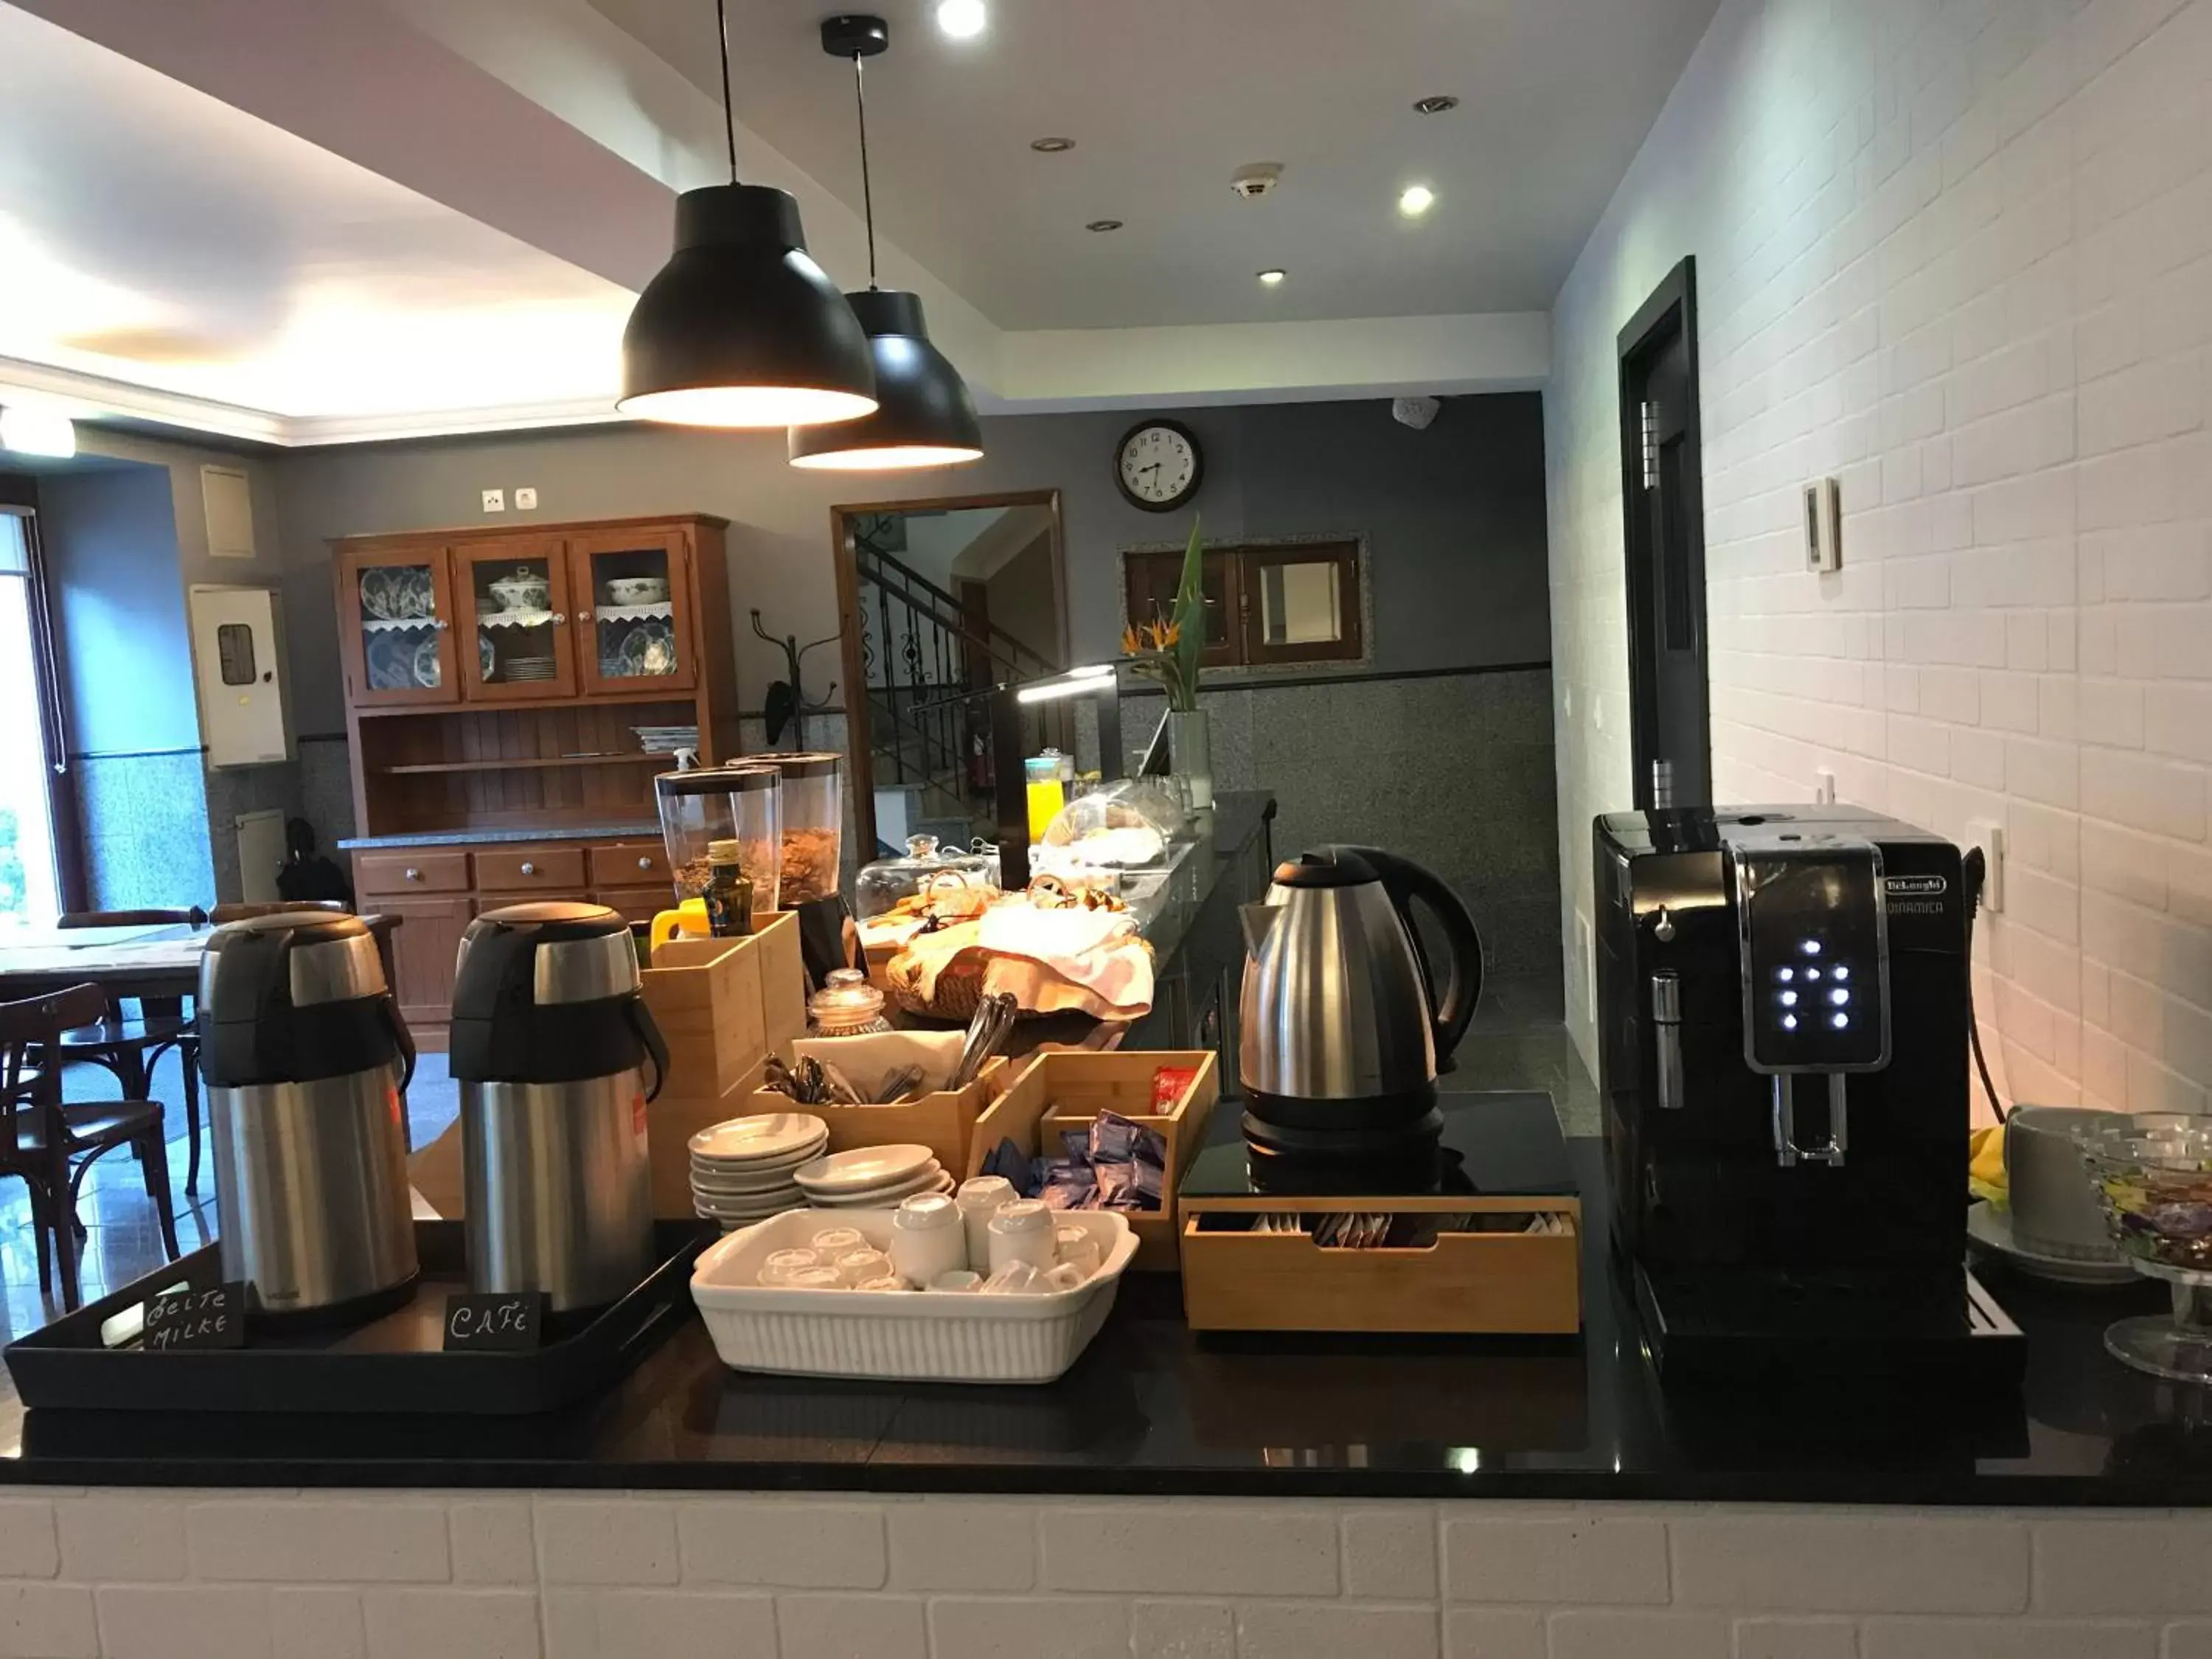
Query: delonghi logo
(1899, 887)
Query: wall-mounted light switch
(1824, 526)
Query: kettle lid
(1325, 867)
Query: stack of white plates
(529, 668)
(871, 1177)
(742, 1170)
(667, 739)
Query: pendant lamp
(924, 415)
(741, 328)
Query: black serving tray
(391, 1365)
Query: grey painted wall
(1454, 516)
(125, 531)
(110, 542)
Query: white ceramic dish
(756, 1212)
(888, 1198)
(781, 1165)
(919, 1335)
(769, 1135)
(742, 1183)
(1991, 1228)
(862, 1170)
(637, 590)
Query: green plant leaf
(1190, 618)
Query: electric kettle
(1344, 1030)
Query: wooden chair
(128, 1047)
(51, 1144)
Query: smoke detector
(1416, 412)
(1256, 179)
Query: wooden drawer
(541, 871)
(1500, 1283)
(411, 869)
(628, 864)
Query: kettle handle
(1404, 881)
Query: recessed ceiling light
(1272, 278)
(962, 19)
(1104, 225)
(1435, 106)
(1051, 146)
(1415, 200)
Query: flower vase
(1190, 756)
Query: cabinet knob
(559, 616)
(528, 868)
(440, 625)
(583, 615)
(646, 863)
(412, 873)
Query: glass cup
(781, 1265)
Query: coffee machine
(1782, 1003)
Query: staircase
(922, 660)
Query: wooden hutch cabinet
(495, 681)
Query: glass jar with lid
(813, 829)
(926, 867)
(846, 1006)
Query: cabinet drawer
(628, 864)
(415, 870)
(557, 872)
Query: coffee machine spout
(1259, 921)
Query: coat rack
(786, 700)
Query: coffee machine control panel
(1812, 931)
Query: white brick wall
(1958, 253)
(758, 1577)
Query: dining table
(157, 960)
(150, 961)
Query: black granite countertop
(644, 828)
(1151, 1408)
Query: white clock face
(1158, 464)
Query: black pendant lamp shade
(741, 328)
(925, 415)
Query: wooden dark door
(1663, 502)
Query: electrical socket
(495, 500)
(1989, 835)
(1824, 788)
(526, 498)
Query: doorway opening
(938, 601)
(1663, 513)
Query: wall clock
(1158, 465)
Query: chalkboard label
(206, 1317)
(512, 1321)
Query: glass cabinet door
(515, 597)
(634, 613)
(399, 645)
